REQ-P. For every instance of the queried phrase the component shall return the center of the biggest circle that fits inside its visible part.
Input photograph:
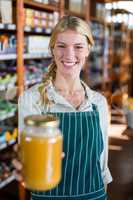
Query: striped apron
(81, 172)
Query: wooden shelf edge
(7, 181)
(41, 6)
(25, 56)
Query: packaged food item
(40, 152)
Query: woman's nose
(69, 52)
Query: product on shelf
(7, 44)
(7, 137)
(35, 71)
(6, 168)
(7, 109)
(7, 81)
(6, 17)
(42, 19)
(97, 63)
(37, 44)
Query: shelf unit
(21, 4)
(19, 29)
(20, 56)
(121, 58)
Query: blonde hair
(65, 23)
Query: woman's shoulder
(31, 93)
(95, 97)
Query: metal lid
(47, 120)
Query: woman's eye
(61, 46)
(79, 47)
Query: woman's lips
(69, 64)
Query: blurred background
(24, 56)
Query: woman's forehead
(70, 36)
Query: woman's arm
(27, 105)
(104, 123)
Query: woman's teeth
(69, 64)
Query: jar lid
(47, 120)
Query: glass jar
(40, 152)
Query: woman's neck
(67, 83)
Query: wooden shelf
(40, 6)
(12, 27)
(25, 56)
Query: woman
(82, 111)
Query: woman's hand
(17, 164)
(18, 169)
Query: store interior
(24, 58)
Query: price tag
(38, 30)
(48, 30)
(1, 26)
(27, 28)
(11, 26)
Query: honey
(40, 155)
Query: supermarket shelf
(29, 29)
(26, 56)
(7, 181)
(10, 27)
(7, 56)
(36, 55)
(5, 145)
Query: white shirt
(29, 104)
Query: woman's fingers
(18, 175)
(62, 155)
(17, 164)
(17, 172)
(16, 148)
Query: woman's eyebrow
(59, 42)
(81, 43)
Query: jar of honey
(40, 152)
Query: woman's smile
(69, 64)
